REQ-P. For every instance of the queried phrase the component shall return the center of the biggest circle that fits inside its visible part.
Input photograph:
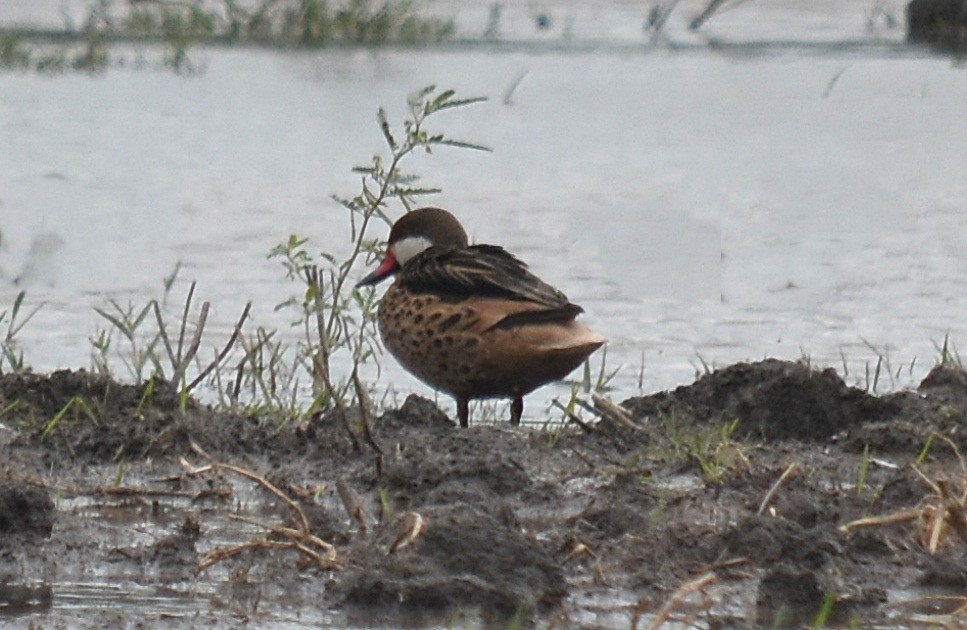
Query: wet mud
(736, 501)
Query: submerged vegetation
(179, 26)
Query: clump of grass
(882, 365)
(367, 22)
(127, 322)
(605, 377)
(267, 380)
(602, 407)
(709, 447)
(948, 356)
(150, 352)
(75, 410)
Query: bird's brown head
(414, 233)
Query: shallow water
(704, 204)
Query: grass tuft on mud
(84, 417)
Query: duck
(472, 320)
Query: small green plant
(706, 367)
(146, 397)
(150, 353)
(825, 611)
(265, 382)
(569, 413)
(76, 407)
(127, 322)
(602, 382)
(882, 365)
(12, 359)
(948, 355)
(925, 451)
(711, 448)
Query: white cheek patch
(407, 248)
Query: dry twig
(683, 591)
(941, 511)
(786, 475)
(579, 549)
(224, 353)
(365, 412)
(571, 417)
(616, 414)
(954, 605)
(903, 516)
(709, 576)
(300, 539)
(410, 526)
(354, 505)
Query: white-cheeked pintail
(472, 320)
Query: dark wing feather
(483, 271)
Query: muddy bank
(731, 502)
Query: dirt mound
(939, 405)
(771, 399)
(469, 557)
(471, 466)
(473, 553)
(433, 462)
(945, 389)
(87, 417)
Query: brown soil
(607, 527)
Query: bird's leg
(463, 411)
(516, 410)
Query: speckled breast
(433, 339)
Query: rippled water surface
(705, 204)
